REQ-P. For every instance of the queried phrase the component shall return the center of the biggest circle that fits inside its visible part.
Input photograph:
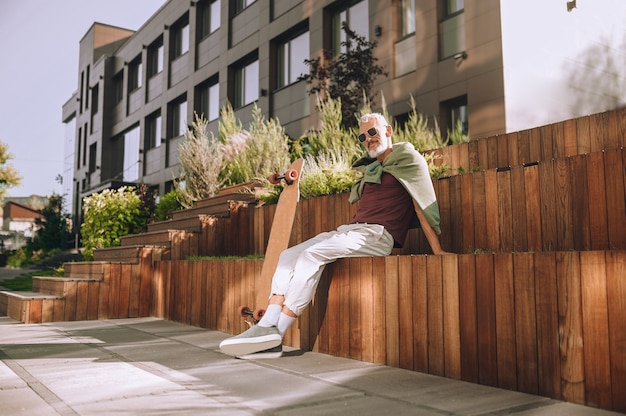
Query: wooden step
(84, 269)
(57, 286)
(193, 223)
(17, 305)
(161, 238)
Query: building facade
(138, 90)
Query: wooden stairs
(96, 290)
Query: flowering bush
(109, 215)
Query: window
(455, 116)
(407, 13)
(454, 6)
(208, 17)
(155, 58)
(180, 38)
(291, 56)
(208, 100)
(242, 4)
(118, 87)
(178, 118)
(153, 136)
(95, 96)
(246, 84)
(134, 74)
(357, 19)
(452, 29)
(93, 153)
(131, 155)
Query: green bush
(108, 216)
(168, 203)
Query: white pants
(300, 267)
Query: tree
(348, 77)
(53, 227)
(8, 174)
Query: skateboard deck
(282, 225)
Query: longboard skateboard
(280, 232)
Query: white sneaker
(257, 338)
(275, 352)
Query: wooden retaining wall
(551, 323)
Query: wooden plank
(198, 289)
(563, 205)
(491, 211)
(456, 224)
(532, 197)
(82, 300)
(344, 307)
(518, 209)
(473, 155)
(451, 325)
(547, 143)
(549, 366)
(616, 291)
(34, 313)
(503, 151)
(47, 310)
(405, 315)
(579, 192)
(124, 297)
(570, 332)
(103, 298)
(466, 242)
(615, 180)
(598, 226)
(356, 310)
(468, 330)
(445, 213)
(436, 357)
(570, 138)
(480, 216)
(525, 323)
(486, 320)
(70, 301)
(505, 231)
(513, 139)
(597, 132)
(596, 329)
(134, 290)
(523, 148)
(583, 139)
(379, 321)
(93, 296)
(58, 313)
(558, 140)
(392, 329)
(114, 290)
(535, 150)
(367, 309)
(334, 316)
(547, 212)
(420, 313)
(505, 321)
(492, 152)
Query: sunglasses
(372, 132)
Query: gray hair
(381, 119)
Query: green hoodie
(410, 168)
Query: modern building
(496, 65)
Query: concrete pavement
(149, 366)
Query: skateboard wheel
(242, 310)
(291, 175)
(258, 314)
(274, 179)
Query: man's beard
(378, 150)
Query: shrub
(108, 216)
(168, 203)
(201, 160)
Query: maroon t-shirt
(389, 205)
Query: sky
(39, 41)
